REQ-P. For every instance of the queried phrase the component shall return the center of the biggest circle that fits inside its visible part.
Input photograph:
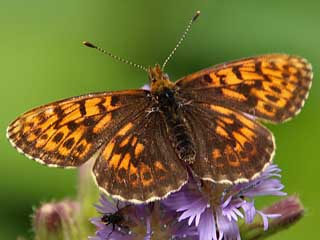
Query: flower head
(218, 219)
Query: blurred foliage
(42, 60)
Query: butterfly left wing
(230, 147)
(68, 132)
(139, 164)
(271, 87)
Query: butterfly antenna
(88, 44)
(194, 18)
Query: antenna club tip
(89, 44)
(196, 16)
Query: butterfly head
(158, 79)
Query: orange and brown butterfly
(145, 142)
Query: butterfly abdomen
(176, 126)
(183, 143)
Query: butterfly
(144, 142)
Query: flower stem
(88, 193)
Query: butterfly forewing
(68, 132)
(270, 87)
(230, 146)
(139, 164)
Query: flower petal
(229, 230)
(207, 226)
(265, 219)
(249, 211)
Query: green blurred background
(42, 60)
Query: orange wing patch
(125, 164)
(102, 123)
(138, 150)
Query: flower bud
(55, 220)
(290, 210)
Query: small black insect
(116, 219)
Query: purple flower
(217, 219)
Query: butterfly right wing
(139, 164)
(68, 132)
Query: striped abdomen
(181, 140)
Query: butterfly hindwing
(231, 147)
(271, 87)
(139, 164)
(68, 132)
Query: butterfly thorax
(158, 79)
(167, 103)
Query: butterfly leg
(184, 103)
(152, 110)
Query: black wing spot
(276, 89)
(72, 126)
(237, 72)
(83, 110)
(248, 146)
(258, 68)
(90, 136)
(147, 176)
(57, 138)
(59, 112)
(242, 154)
(44, 136)
(272, 98)
(37, 132)
(89, 121)
(69, 143)
(114, 100)
(133, 177)
(285, 75)
(80, 148)
(207, 78)
(267, 107)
